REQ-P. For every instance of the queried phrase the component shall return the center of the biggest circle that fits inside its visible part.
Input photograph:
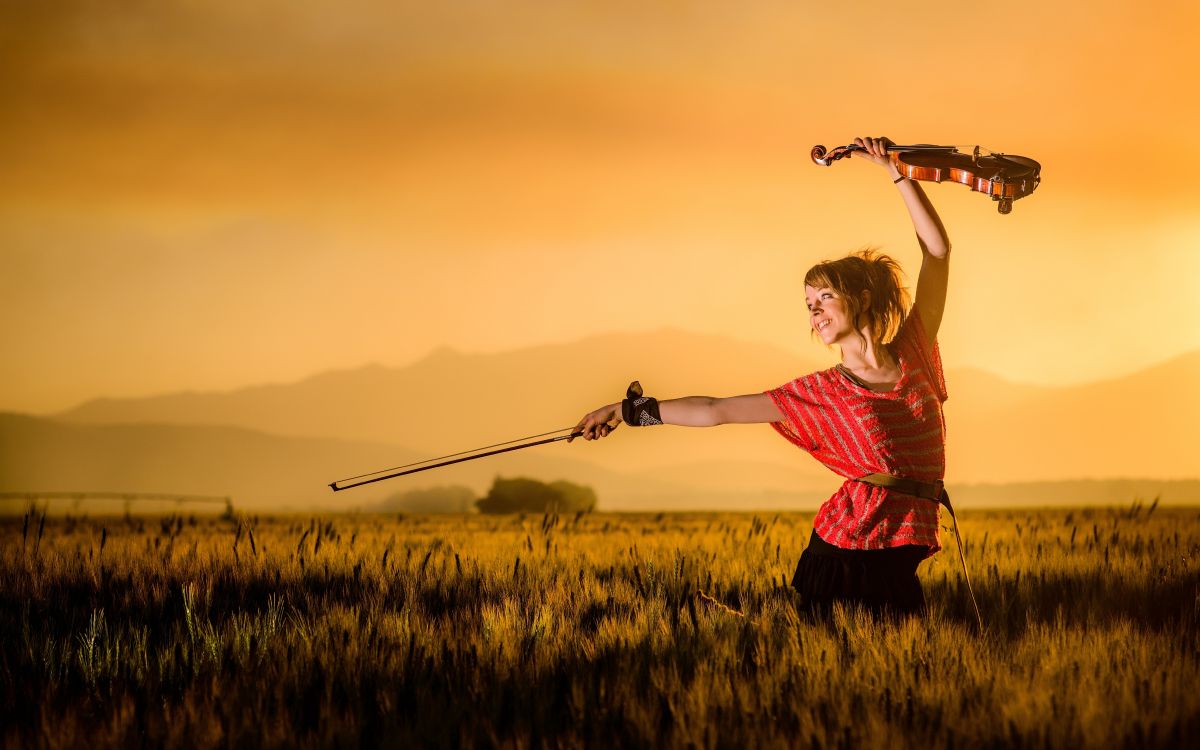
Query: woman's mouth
(822, 325)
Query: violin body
(1004, 177)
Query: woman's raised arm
(930, 300)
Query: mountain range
(265, 439)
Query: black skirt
(884, 581)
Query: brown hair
(866, 270)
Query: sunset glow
(205, 195)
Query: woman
(875, 419)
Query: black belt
(936, 492)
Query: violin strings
(452, 455)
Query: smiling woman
(875, 419)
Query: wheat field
(588, 631)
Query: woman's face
(828, 314)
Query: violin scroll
(822, 157)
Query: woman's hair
(866, 270)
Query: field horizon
(1075, 494)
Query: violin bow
(456, 458)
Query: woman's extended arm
(690, 411)
(930, 301)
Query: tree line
(515, 495)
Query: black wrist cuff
(638, 410)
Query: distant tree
(443, 499)
(576, 497)
(522, 495)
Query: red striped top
(856, 431)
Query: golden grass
(586, 631)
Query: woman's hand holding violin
(875, 151)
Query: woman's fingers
(869, 147)
(595, 424)
(581, 427)
(592, 429)
(586, 426)
(874, 149)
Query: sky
(202, 195)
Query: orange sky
(203, 195)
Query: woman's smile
(827, 313)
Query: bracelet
(901, 177)
(638, 410)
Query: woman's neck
(867, 353)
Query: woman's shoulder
(819, 380)
(912, 344)
(913, 333)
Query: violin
(1005, 177)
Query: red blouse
(856, 431)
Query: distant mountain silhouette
(450, 401)
(257, 469)
(426, 402)
(1139, 425)
(269, 472)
